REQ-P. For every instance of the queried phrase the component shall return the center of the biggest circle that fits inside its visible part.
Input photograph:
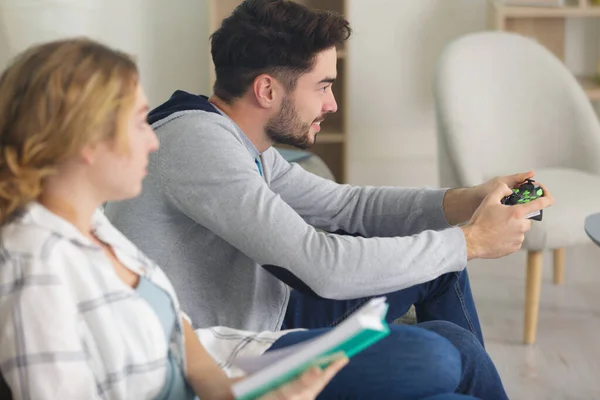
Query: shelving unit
(547, 26)
(331, 142)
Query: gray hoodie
(211, 219)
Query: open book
(272, 369)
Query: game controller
(525, 193)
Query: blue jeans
(410, 363)
(447, 298)
(446, 340)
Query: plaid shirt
(71, 329)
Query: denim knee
(439, 361)
(480, 377)
(464, 340)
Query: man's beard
(287, 128)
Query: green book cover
(364, 328)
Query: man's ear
(267, 91)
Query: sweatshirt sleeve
(368, 211)
(207, 173)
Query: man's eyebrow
(326, 80)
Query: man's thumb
(498, 193)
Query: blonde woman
(83, 314)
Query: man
(234, 225)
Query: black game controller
(525, 193)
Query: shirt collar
(41, 216)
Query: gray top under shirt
(210, 220)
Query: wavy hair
(278, 37)
(55, 98)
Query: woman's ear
(88, 153)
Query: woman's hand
(210, 382)
(308, 385)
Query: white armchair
(506, 104)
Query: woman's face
(119, 175)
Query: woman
(83, 314)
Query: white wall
(176, 51)
(392, 58)
(168, 38)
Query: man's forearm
(460, 204)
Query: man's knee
(464, 340)
(436, 357)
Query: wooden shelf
(330, 137)
(547, 26)
(591, 86)
(547, 12)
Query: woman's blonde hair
(56, 98)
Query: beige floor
(564, 363)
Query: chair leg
(533, 285)
(559, 266)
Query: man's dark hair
(276, 37)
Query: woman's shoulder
(23, 237)
(33, 240)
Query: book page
(251, 365)
(370, 316)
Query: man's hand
(496, 230)
(460, 204)
(481, 191)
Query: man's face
(301, 112)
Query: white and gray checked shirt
(71, 329)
